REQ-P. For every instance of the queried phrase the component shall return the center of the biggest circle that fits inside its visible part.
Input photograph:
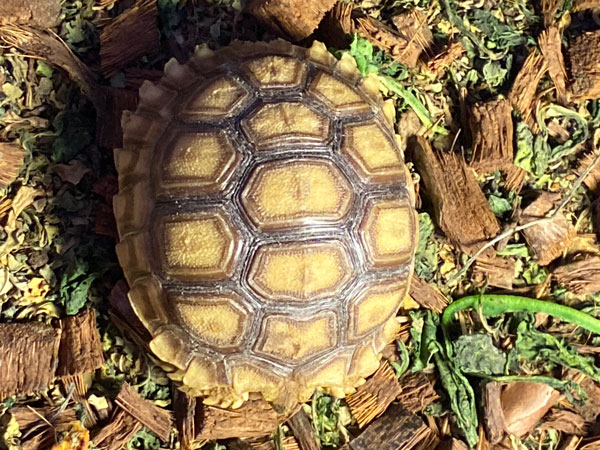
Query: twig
(541, 220)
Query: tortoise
(266, 221)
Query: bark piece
(581, 277)
(129, 36)
(492, 133)
(452, 444)
(184, 409)
(11, 160)
(147, 413)
(253, 418)
(37, 14)
(583, 55)
(290, 19)
(524, 404)
(413, 25)
(590, 410)
(80, 349)
(582, 5)
(54, 51)
(566, 422)
(108, 123)
(493, 418)
(427, 295)
(549, 239)
(522, 93)
(461, 209)
(303, 431)
(551, 47)
(515, 178)
(396, 429)
(404, 46)
(592, 180)
(417, 391)
(549, 10)
(28, 357)
(496, 271)
(372, 398)
(116, 434)
(39, 427)
(443, 60)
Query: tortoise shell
(266, 220)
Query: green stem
(495, 305)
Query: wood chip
(39, 427)
(566, 422)
(522, 93)
(590, 410)
(549, 239)
(404, 46)
(372, 398)
(11, 160)
(498, 272)
(253, 418)
(524, 404)
(147, 413)
(396, 429)
(515, 178)
(491, 127)
(38, 14)
(583, 55)
(413, 24)
(445, 58)
(303, 431)
(592, 181)
(461, 209)
(80, 349)
(108, 122)
(580, 277)
(551, 46)
(418, 391)
(28, 357)
(129, 36)
(184, 409)
(427, 295)
(290, 19)
(116, 434)
(493, 417)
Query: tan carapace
(266, 221)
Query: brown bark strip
(108, 123)
(184, 409)
(28, 357)
(515, 178)
(549, 10)
(116, 434)
(592, 181)
(566, 422)
(427, 295)
(583, 55)
(39, 426)
(547, 240)
(496, 271)
(290, 19)
(372, 398)
(523, 90)
(443, 60)
(551, 47)
(303, 431)
(11, 160)
(492, 132)
(417, 391)
(396, 429)
(147, 413)
(80, 349)
(38, 14)
(493, 417)
(254, 418)
(580, 277)
(461, 209)
(129, 36)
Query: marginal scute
(387, 232)
(196, 246)
(204, 373)
(222, 97)
(276, 72)
(158, 98)
(337, 95)
(370, 86)
(373, 153)
(346, 68)
(170, 345)
(374, 305)
(364, 361)
(132, 207)
(389, 332)
(293, 340)
(177, 75)
(248, 377)
(140, 130)
(274, 123)
(133, 251)
(148, 301)
(219, 319)
(319, 55)
(329, 374)
(303, 271)
(287, 194)
(197, 162)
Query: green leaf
(426, 254)
(476, 354)
(494, 74)
(499, 205)
(519, 250)
(524, 155)
(12, 92)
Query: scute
(266, 221)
